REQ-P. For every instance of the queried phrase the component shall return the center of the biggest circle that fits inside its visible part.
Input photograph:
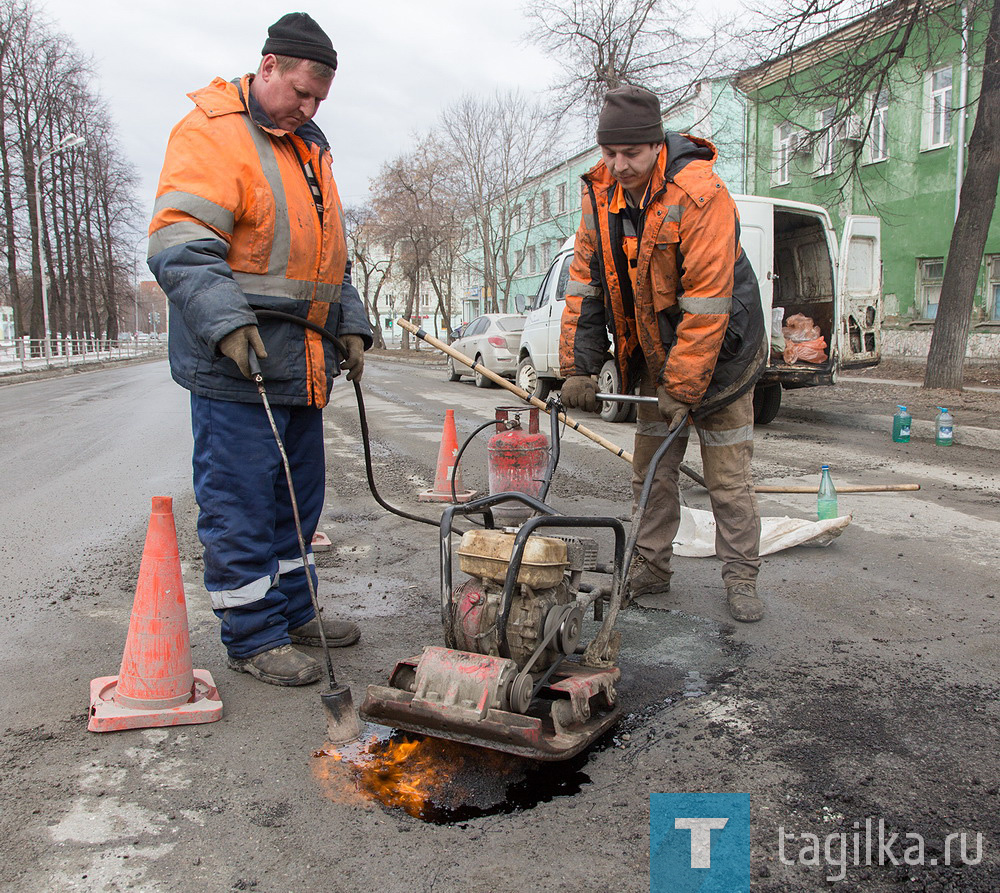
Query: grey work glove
(672, 410)
(236, 345)
(580, 392)
(354, 362)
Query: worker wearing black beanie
(296, 34)
(248, 218)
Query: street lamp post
(70, 141)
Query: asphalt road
(869, 692)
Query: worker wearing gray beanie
(658, 263)
(630, 115)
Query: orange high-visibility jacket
(235, 227)
(680, 295)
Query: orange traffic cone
(156, 685)
(446, 467)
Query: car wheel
(481, 380)
(528, 380)
(453, 373)
(766, 402)
(608, 382)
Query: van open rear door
(859, 282)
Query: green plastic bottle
(901, 422)
(945, 430)
(826, 499)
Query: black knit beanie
(631, 115)
(297, 34)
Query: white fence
(27, 354)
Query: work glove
(354, 362)
(580, 392)
(236, 345)
(672, 410)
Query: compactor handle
(625, 398)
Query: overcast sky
(401, 62)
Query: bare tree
(498, 145)
(373, 257)
(418, 210)
(81, 230)
(864, 44)
(977, 203)
(602, 44)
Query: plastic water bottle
(945, 428)
(901, 425)
(826, 500)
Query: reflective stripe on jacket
(235, 228)
(690, 306)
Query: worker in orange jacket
(658, 263)
(247, 217)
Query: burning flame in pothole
(424, 776)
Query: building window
(878, 134)
(532, 261)
(785, 140)
(930, 276)
(516, 217)
(938, 114)
(824, 144)
(993, 293)
(561, 198)
(545, 255)
(546, 208)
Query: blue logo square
(699, 843)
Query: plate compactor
(510, 678)
(513, 675)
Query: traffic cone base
(321, 542)
(434, 496)
(108, 716)
(441, 491)
(156, 684)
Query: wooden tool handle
(514, 389)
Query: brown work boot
(643, 580)
(279, 666)
(744, 603)
(339, 633)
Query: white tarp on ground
(696, 535)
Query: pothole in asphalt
(442, 782)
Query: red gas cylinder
(517, 458)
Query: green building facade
(913, 153)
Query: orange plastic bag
(808, 351)
(801, 328)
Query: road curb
(12, 378)
(436, 360)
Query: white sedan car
(491, 339)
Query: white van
(794, 252)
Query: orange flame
(405, 774)
(416, 775)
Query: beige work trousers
(726, 437)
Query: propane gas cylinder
(517, 458)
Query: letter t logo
(701, 838)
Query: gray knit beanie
(631, 115)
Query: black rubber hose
(362, 415)
(458, 457)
